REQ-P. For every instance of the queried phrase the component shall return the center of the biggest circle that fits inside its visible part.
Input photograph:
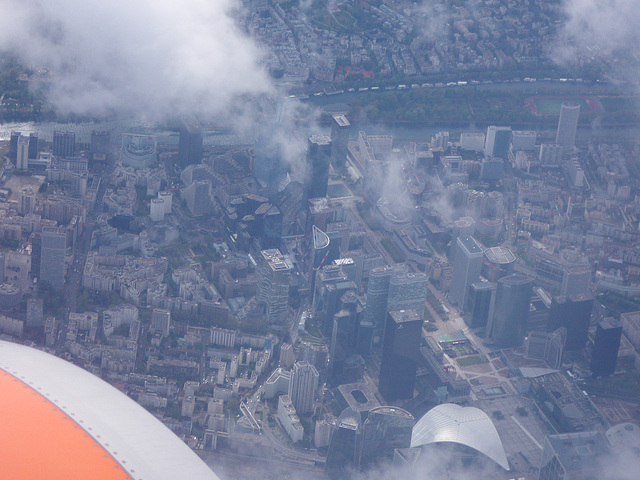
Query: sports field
(551, 105)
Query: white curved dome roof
(467, 426)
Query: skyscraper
(479, 304)
(408, 291)
(513, 297)
(344, 448)
(269, 165)
(378, 294)
(568, 125)
(274, 272)
(303, 386)
(467, 264)
(64, 144)
(384, 430)
(573, 313)
(400, 349)
(54, 245)
(605, 347)
(574, 456)
(190, 141)
(497, 141)
(575, 280)
(316, 176)
(497, 262)
(340, 127)
(22, 156)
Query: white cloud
(155, 57)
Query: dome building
(468, 430)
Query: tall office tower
(497, 262)
(340, 127)
(467, 264)
(497, 141)
(100, 145)
(523, 140)
(575, 280)
(274, 272)
(568, 125)
(160, 321)
(13, 145)
(408, 291)
(303, 386)
(64, 144)
(331, 284)
(22, 154)
(574, 313)
(54, 246)
(513, 297)
(550, 155)
(190, 142)
(316, 175)
(400, 350)
(35, 312)
(547, 346)
(479, 304)
(344, 448)
(198, 197)
(384, 430)
(314, 353)
(574, 456)
(269, 164)
(36, 255)
(322, 253)
(375, 311)
(33, 145)
(605, 347)
(344, 335)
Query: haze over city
(308, 239)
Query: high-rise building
(316, 175)
(348, 337)
(269, 164)
(400, 349)
(467, 264)
(408, 291)
(497, 262)
(384, 430)
(64, 144)
(574, 456)
(547, 346)
(511, 308)
(303, 386)
(568, 125)
(160, 321)
(605, 347)
(54, 246)
(100, 142)
(198, 197)
(340, 127)
(190, 142)
(497, 141)
(36, 255)
(138, 151)
(378, 294)
(35, 312)
(479, 304)
(574, 313)
(550, 155)
(344, 448)
(331, 284)
(274, 272)
(22, 155)
(575, 280)
(523, 140)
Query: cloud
(155, 57)
(605, 30)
